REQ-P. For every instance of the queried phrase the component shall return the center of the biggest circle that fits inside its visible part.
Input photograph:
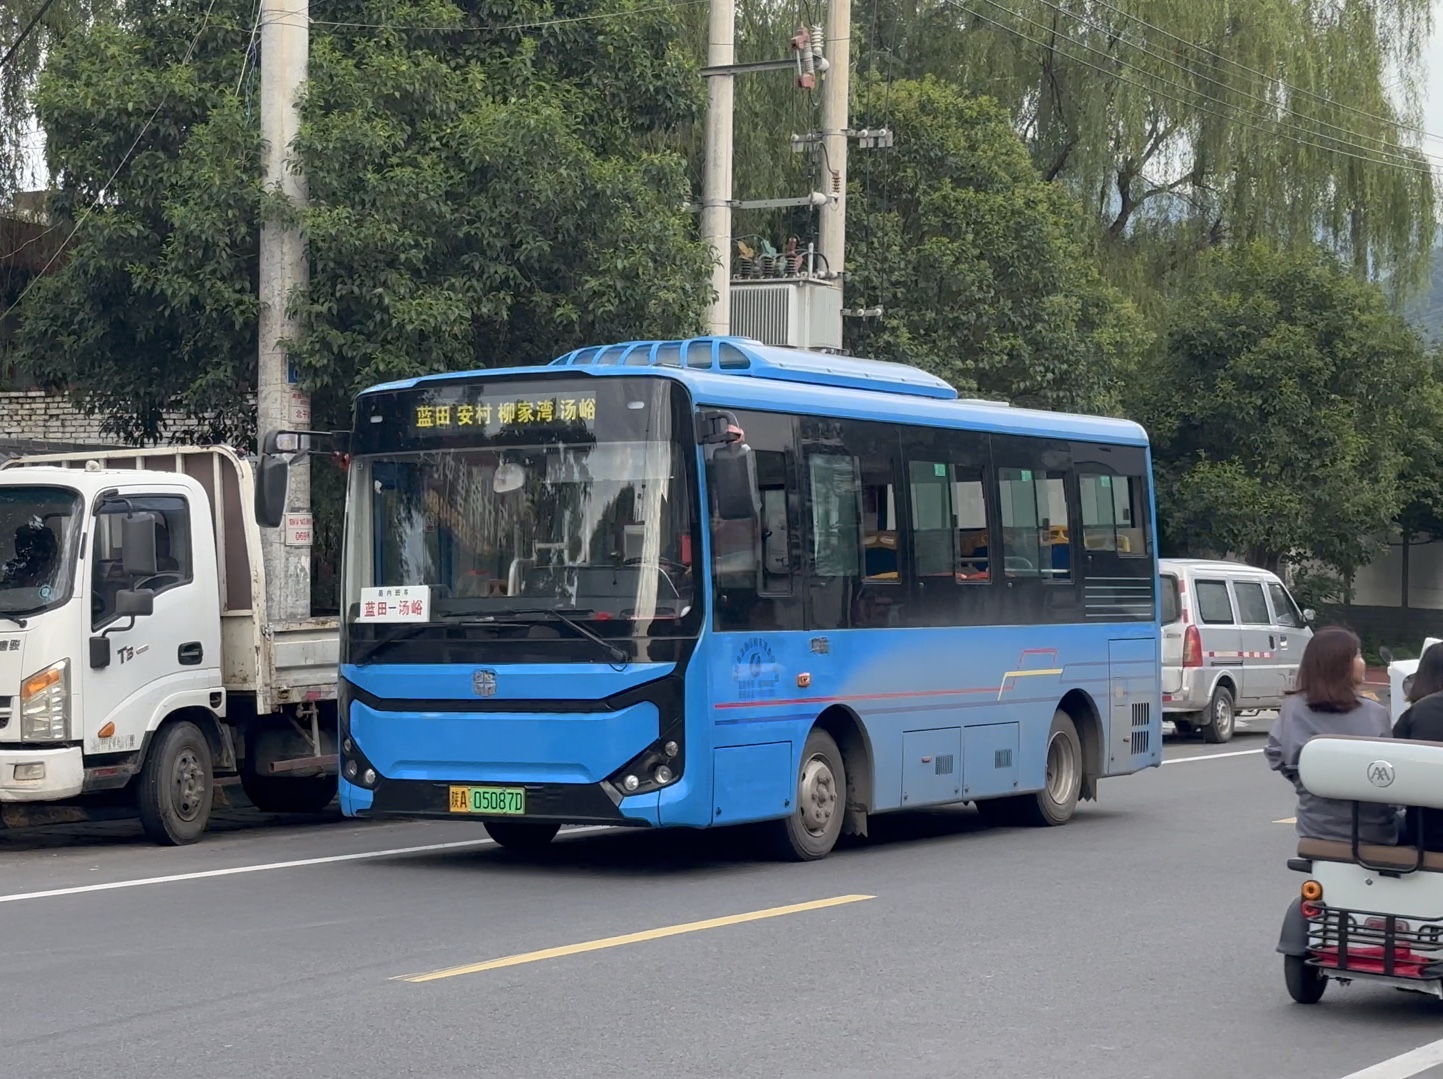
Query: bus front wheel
(812, 830)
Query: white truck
(137, 660)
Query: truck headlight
(45, 705)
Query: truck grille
(4, 712)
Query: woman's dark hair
(1325, 676)
(1428, 679)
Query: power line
(1384, 145)
(545, 24)
(34, 21)
(1253, 71)
(1364, 156)
(94, 205)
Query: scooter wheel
(1305, 981)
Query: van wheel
(812, 831)
(1220, 718)
(1305, 981)
(177, 787)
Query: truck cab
(135, 660)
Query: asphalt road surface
(1135, 942)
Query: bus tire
(177, 786)
(522, 835)
(812, 831)
(1305, 981)
(1221, 718)
(1056, 802)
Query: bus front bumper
(565, 803)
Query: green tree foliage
(489, 183)
(1186, 123)
(1286, 411)
(979, 265)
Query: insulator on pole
(819, 41)
(804, 46)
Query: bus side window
(754, 562)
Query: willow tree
(1183, 123)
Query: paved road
(1136, 942)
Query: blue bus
(711, 582)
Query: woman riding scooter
(1327, 701)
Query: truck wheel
(1220, 718)
(177, 786)
(1305, 981)
(522, 835)
(812, 831)
(273, 794)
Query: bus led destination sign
(498, 414)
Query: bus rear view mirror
(734, 477)
(272, 485)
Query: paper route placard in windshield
(497, 413)
(397, 603)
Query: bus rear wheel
(1057, 801)
(522, 835)
(812, 831)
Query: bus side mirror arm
(273, 468)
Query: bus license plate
(490, 801)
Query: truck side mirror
(273, 476)
(137, 603)
(734, 476)
(1385, 654)
(1309, 615)
(137, 544)
(99, 653)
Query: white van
(1232, 638)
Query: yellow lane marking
(1287, 820)
(632, 938)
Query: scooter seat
(1330, 850)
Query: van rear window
(1171, 600)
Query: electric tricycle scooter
(1367, 913)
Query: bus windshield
(577, 523)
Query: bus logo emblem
(484, 683)
(1380, 774)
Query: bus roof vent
(745, 357)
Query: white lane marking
(1401, 1067)
(361, 856)
(1213, 756)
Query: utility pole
(285, 43)
(832, 226)
(716, 192)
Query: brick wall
(35, 421)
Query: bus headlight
(659, 765)
(45, 705)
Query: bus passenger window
(1113, 514)
(1035, 534)
(949, 522)
(879, 522)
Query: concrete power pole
(285, 43)
(832, 226)
(716, 192)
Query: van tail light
(1192, 648)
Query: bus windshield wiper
(567, 616)
(390, 637)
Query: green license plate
(490, 801)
